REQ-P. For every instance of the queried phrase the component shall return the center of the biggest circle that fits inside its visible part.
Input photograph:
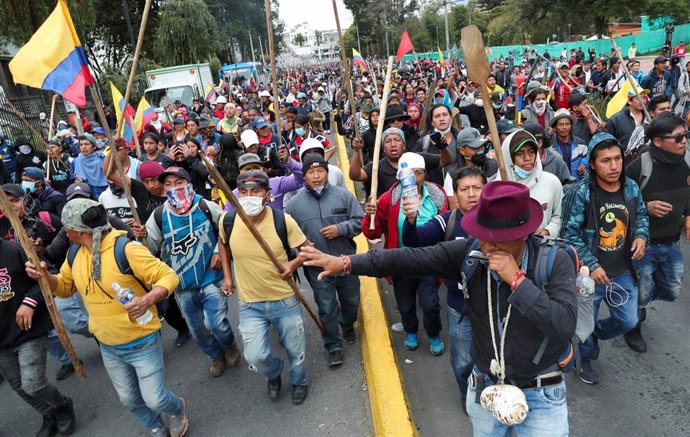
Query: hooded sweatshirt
(543, 187)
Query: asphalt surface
(640, 395)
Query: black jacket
(197, 171)
(621, 126)
(16, 289)
(536, 314)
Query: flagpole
(52, 115)
(22, 118)
(136, 137)
(634, 85)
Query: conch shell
(506, 403)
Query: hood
(445, 100)
(530, 180)
(600, 138)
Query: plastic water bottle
(584, 283)
(409, 184)
(125, 296)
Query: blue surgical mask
(522, 174)
(299, 131)
(29, 186)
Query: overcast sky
(318, 13)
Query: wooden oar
(478, 70)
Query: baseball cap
(259, 123)
(13, 190)
(178, 120)
(505, 126)
(660, 59)
(466, 136)
(249, 138)
(249, 158)
(78, 189)
(221, 99)
(42, 116)
(150, 169)
(34, 173)
(175, 171)
(253, 179)
(313, 161)
(264, 93)
(99, 130)
(301, 96)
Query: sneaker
(597, 349)
(48, 429)
(218, 367)
(274, 388)
(232, 355)
(635, 341)
(335, 358)
(587, 374)
(179, 424)
(349, 335)
(436, 346)
(299, 394)
(159, 432)
(64, 372)
(411, 341)
(65, 420)
(182, 338)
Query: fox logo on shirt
(181, 247)
(6, 292)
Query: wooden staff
(274, 68)
(132, 73)
(24, 241)
(633, 83)
(136, 137)
(427, 107)
(478, 70)
(377, 142)
(115, 157)
(22, 118)
(52, 114)
(348, 83)
(215, 174)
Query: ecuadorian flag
(358, 61)
(53, 58)
(145, 113)
(125, 131)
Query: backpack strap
(281, 229)
(646, 165)
(467, 269)
(158, 217)
(45, 219)
(72, 253)
(450, 226)
(203, 206)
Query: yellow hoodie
(108, 320)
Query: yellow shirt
(108, 320)
(256, 276)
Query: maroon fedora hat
(505, 212)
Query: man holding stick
(265, 297)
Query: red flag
(405, 45)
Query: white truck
(182, 82)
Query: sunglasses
(678, 138)
(401, 120)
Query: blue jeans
(137, 375)
(660, 273)
(286, 316)
(24, 367)
(623, 314)
(406, 290)
(337, 299)
(206, 313)
(75, 321)
(547, 417)
(460, 339)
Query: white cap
(264, 93)
(310, 144)
(221, 99)
(584, 271)
(64, 133)
(249, 138)
(42, 116)
(320, 89)
(413, 161)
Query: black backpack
(203, 206)
(278, 222)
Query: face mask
(478, 159)
(180, 198)
(479, 102)
(522, 174)
(443, 132)
(299, 131)
(252, 205)
(539, 106)
(117, 191)
(101, 143)
(29, 186)
(367, 107)
(25, 149)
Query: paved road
(640, 395)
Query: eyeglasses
(678, 138)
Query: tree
(187, 33)
(299, 40)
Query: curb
(390, 415)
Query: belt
(543, 380)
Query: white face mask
(479, 102)
(24, 149)
(443, 132)
(539, 106)
(252, 205)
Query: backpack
(647, 165)
(278, 222)
(120, 258)
(546, 255)
(45, 219)
(203, 206)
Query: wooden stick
(274, 68)
(478, 70)
(133, 71)
(22, 118)
(115, 157)
(24, 241)
(136, 137)
(348, 82)
(379, 135)
(633, 84)
(215, 174)
(52, 114)
(427, 107)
